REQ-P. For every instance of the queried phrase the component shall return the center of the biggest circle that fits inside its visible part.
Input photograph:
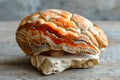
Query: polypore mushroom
(56, 40)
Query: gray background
(91, 9)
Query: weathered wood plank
(14, 65)
(27, 72)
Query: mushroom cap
(58, 31)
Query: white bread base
(49, 65)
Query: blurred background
(91, 9)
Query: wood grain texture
(14, 65)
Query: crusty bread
(55, 32)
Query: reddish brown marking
(31, 26)
(59, 31)
(65, 23)
(66, 14)
(66, 41)
(63, 40)
(43, 28)
(26, 26)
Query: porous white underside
(50, 65)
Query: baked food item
(57, 40)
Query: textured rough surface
(51, 65)
(14, 65)
(55, 32)
(92, 9)
(59, 30)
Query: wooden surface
(14, 65)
